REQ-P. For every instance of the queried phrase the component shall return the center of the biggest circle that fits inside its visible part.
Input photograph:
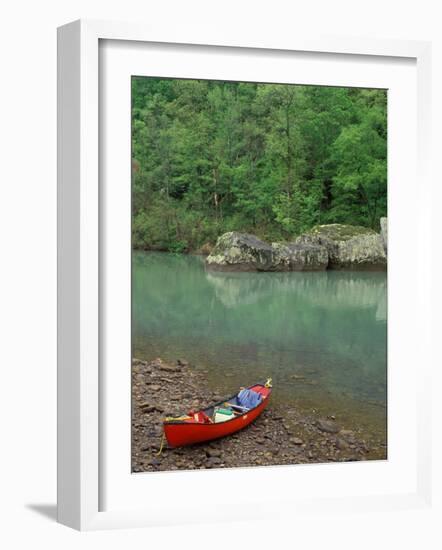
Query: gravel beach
(279, 436)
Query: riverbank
(279, 436)
(330, 246)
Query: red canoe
(199, 426)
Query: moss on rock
(339, 231)
(349, 246)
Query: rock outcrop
(243, 252)
(332, 246)
(348, 246)
(384, 233)
(300, 257)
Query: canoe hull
(182, 434)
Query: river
(321, 337)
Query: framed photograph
(233, 252)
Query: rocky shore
(279, 436)
(332, 246)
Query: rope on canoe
(161, 445)
(169, 419)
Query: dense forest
(270, 159)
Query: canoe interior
(233, 400)
(259, 388)
(188, 431)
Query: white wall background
(28, 265)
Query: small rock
(341, 444)
(167, 368)
(328, 426)
(296, 441)
(213, 453)
(213, 461)
(155, 387)
(155, 462)
(148, 408)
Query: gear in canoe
(219, 420)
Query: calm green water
(322, 337)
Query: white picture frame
(80, 437)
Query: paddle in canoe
(219, 420)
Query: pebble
(213, 461)
(147, 408)
(167, 368)
(213, 453)
(327, 426)
(341, 444)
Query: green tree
(359, 156)
(271, 159)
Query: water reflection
(327, 289)
(327, 329)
